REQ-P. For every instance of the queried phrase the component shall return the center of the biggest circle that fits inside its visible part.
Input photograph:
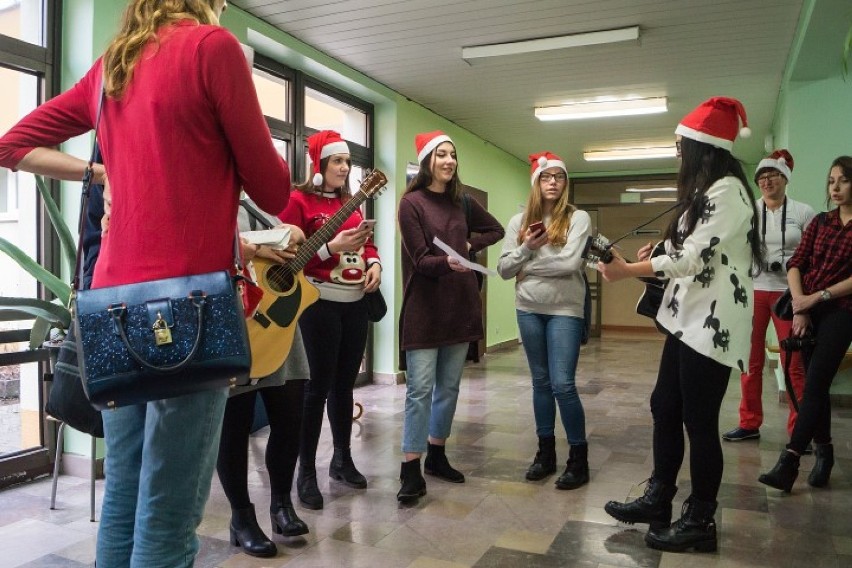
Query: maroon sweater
(184, 137)
(440, 306)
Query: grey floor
(496, 519)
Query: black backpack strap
(255, 216)
(466, 207)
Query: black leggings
(335, 335)
(833, 333)
(284, 409)
(689, 392)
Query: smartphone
(536, 228)
(368, 223)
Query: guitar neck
(325, 233)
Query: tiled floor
(496, 519)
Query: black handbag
(783, 306)
(376, 305)
(67, 400)
(162, 338)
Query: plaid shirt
(824, 256)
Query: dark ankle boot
(436, 464)
(246, 533)
(654, 507)
(824, 454)
(576, 470)
(413, 484)
(285, 521)
(696, 529)
(784, 474)
(342, 468)
(544, 463)
(306, 487)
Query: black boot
(285, 521)
(654, 507)
(822, 466)
(696, 529)
(306, 487)
(246, 533)
(784, 474)
(576, 470)
(544, 463)
(413, 484)
(436, 464)
(342, 468)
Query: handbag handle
(88, 177)
(198, 300)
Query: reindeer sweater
(708, 301)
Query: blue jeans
(432, 390)
(159, 463)
(552, 345)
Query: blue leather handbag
(162, 338)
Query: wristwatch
(825, 295)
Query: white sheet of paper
(273, 238)
(462, 260)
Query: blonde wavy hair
(139, 25)
(560, 218)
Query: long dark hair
(344, 193)
(423, 178)
(701, 166)
(845, 164)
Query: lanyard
(783, 228)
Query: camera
(773, 266)
(795, 343)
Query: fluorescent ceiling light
(550, 43)
(602, 108)
(659, 200)
(630, 154)
(650, 189)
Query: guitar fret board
(323, 235)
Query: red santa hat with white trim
(780, 160)
(716, 121)
(542, 161)
(322, 145)
(428, 141)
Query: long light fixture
(550, 43)
(602, 108)
(630, 154)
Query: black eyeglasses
(772, 176)
(546, 177)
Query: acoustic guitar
(287, 292)
(599, 249)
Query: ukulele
(599, 249)
(287, 292)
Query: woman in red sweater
(181, 130)
(334, 329)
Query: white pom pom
(317, 179)
(542, 161)
(745, 132)
(782, 161)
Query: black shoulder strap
(466, 207)
(255, 216)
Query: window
(274, 95)
(23, 20)
(325, 112)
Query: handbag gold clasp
(162, 333)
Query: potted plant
(50, 315)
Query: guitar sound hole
(280, 278)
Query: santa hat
(322, 145)
(780, 160)
(428, 141)
(542, 161)
(716, 122)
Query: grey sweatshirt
(552, 281)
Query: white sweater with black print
(707, 303)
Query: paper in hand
(277, 239)
(462, 260)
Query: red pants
(751, 408)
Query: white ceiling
(689, 50)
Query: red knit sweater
(339, 277)
(187, 133)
